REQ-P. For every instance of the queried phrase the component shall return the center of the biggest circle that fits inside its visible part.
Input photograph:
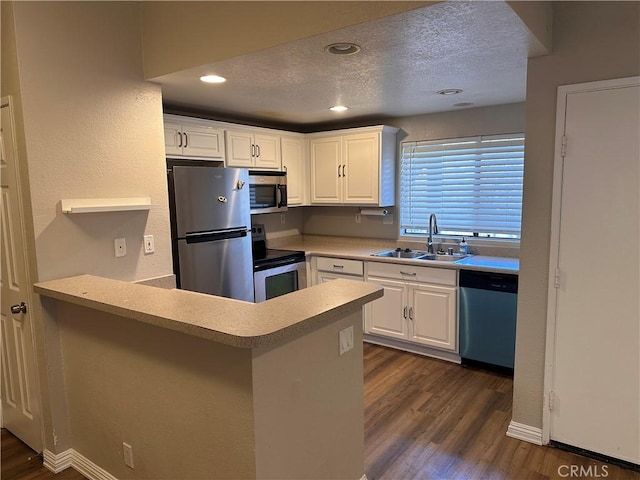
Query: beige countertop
(232, 322)
(362, 249)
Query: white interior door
(20, 394)
(596, 354)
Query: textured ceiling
(480, 47)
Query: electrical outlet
(358, 217)
(346, 340)
(149, 246)
(387, 219)
(127, 452)
(120, 245)
(283, 218)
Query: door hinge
(551, 400)
(563, 147)
(556, 281)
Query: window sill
(472, 241)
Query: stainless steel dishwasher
(488, 306)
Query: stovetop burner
(265, 258)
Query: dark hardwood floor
(424, 419)
(431, 419)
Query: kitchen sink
(419, 255)
(400, 253)
(443, 257)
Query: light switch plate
(149, 246)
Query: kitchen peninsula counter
(231, 322)
(257, 390)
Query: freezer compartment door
(217, 267)
(210, 199)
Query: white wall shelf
(93, 205)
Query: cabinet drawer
(340, 265)
(411, 273)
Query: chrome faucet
(433, 228)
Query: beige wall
(475, 121)
(592, 41)
(273, 224)
(93, 128)
(182, 35)
(196, 409)
(310, 411)
(183, 403)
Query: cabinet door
(433, 316)
(240, 149)
(267, 151)
(202, 141)
(326, 181)
(293, 162)
(386, 314)
(173, 138)
(361, 168)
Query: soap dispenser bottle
(464, 247)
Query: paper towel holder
(374, 211)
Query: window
(473, 185)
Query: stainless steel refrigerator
(211, 230)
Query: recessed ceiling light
(342, 48)
(449, 91)
(338, 108)
(213, 79)
(463, 104)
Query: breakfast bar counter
(231, 322)
(194, 386)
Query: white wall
(93, 128)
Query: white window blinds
(473, 185)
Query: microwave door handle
(278, 196)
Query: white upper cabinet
(355, 166)
(248, 148)
(193, 138)
(294, 162)
(326, 165)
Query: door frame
(554, 246)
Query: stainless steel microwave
(267, 191)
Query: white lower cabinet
(419, 305)
(328, 268)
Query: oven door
(273, 282)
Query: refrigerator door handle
(213, 235)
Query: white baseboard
(57, 462)
(525, 432)
(70, 458)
